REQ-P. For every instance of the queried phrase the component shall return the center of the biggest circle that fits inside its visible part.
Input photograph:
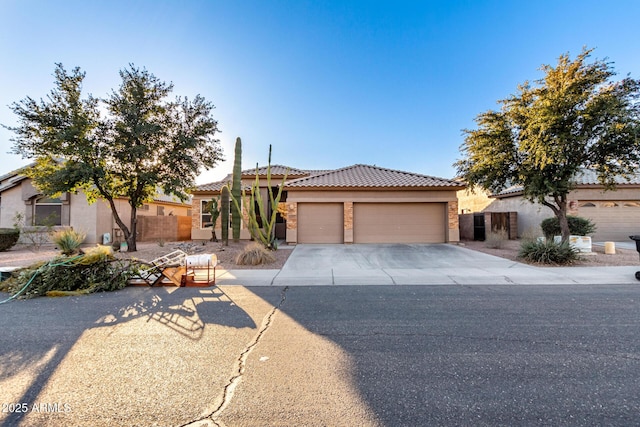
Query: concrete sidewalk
(517, 274)
(457, 266)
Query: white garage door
(399, 222)
(320, 223)
(615, 220)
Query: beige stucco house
(355, 204)
(19, 196)
(616, 213)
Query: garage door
(615, 220)
(399, 222)
(320, 223)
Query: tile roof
(211, 186)
(590, 177)
(276, 170)
(13, 178)
(366, 176)
(586, 177)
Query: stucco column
(195, 212)
(453, 234)
(348, 222)
(292, 222)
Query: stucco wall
(469, 202)
(83, 217)
(198, 233)
(530, 215)
(10, 204)
(348, 197)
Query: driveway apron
(385, 264)
(426, 264)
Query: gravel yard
(597, 258)
(20, 256)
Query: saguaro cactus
(214, 209)
(224, 214)
(236, 191)
(264, 232)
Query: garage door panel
(320, 223)
(615, 220)
(399, 222)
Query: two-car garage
(369, 204)
(373, 222)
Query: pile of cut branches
(95, 270)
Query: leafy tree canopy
(575, 117)
(126, 145)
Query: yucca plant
(68, 240)
(548, 252)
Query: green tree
(236, 191)
(575, 117)
(137, 143)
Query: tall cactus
(264, 230)
(213, 207)
(224, 214)
(236, 191)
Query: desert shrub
(548, 252)
(8, 238)
(578, 226)
(33, 237)
(255, 254)
(496, 239)
(68, 240)
(94, 271)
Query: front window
(205, 215)
(47, 212)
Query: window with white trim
(205, 216)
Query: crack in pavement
(239, 370)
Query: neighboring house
(356, 204)
(616, 213)
(19, 196)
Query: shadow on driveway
(38, 335)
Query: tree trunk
(131, 239)
(564, 225)
(560, 211)
(125, 230)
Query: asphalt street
(324, 356)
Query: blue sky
(327, 83)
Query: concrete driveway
(387, 264)
(424, 264)
(387, 256)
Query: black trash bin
(636, 239)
